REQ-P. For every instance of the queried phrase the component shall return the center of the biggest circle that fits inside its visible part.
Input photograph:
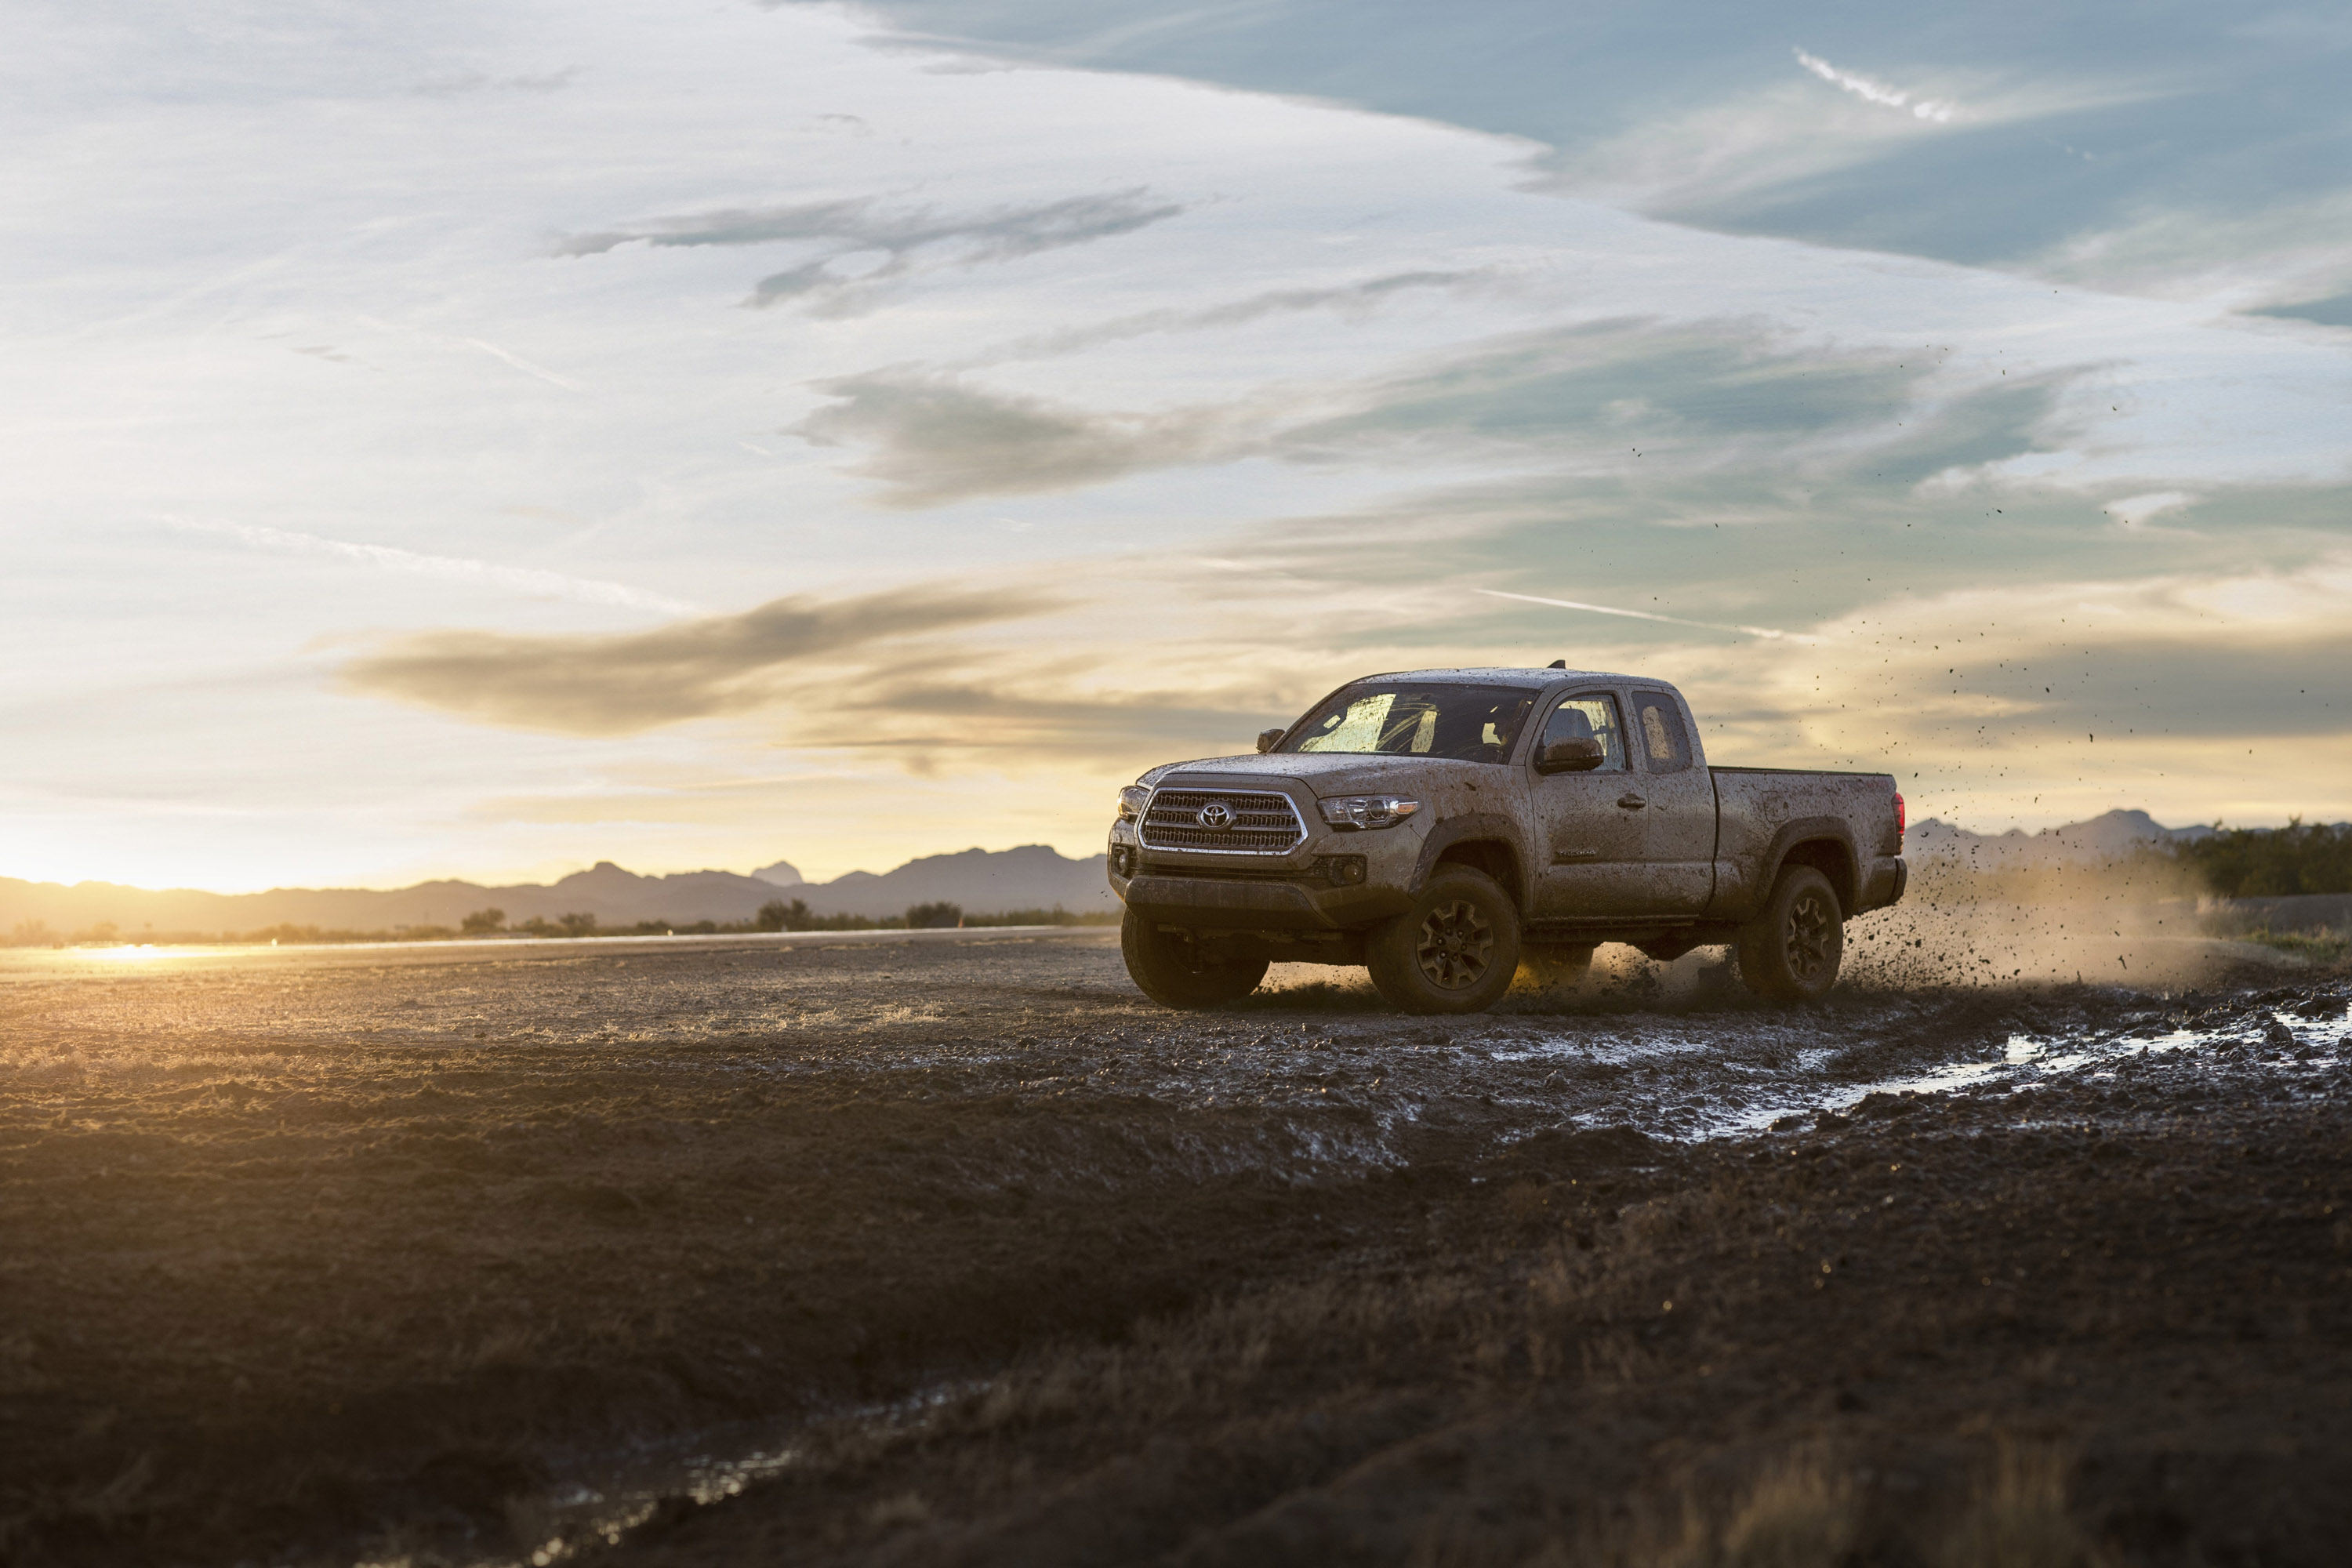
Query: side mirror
(1577, 757)
(1267, 739)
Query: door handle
(1631, 801)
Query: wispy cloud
(448, 568)
(935, 438)
(1766, 632)
(626, 683)
(910, 239)
(1870, 91)
(1611, 390)
(1361, 296)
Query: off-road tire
(1455, 951)
(1175, 972)
(1790, 951)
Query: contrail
(459, 568)
(1870, 91)
(521, 363)
(1647, 615)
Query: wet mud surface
(957, 1249)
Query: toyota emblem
(1216, 814)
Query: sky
(479, 440)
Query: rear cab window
(1658, 730)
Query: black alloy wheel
(1455, 951)
(1812, 935)
(1455, 946)
(1790, 951)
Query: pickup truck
(1439, 825)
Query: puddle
(577, 1517)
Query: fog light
(1122, 860)
(1342, 871)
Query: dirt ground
(950, 1247)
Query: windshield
(1468, 723)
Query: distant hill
(2107, 837)
(982, 881)
(1030, 877)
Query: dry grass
(1798, 1511)
(2018, 1518)
(1798, 1514)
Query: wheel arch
(1483, 842)
(1827, 845)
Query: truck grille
(1252, 821)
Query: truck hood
(1333, 773)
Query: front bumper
(1256, 904)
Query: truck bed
(1759, 810)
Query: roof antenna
(1557, 664)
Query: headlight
(1132, 800)
(1367, 810)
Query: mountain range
(2107, 837)
(1033, 876)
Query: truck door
(1592, 844)
(1677, 811)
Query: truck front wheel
(1177, 972)
(1454, 951)
(1790, 951)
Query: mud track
(956, 1249)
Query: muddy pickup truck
(1439, 825)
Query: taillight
(1902, 819)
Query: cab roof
(1506, 675)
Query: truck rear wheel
(1790, 951)
(1178, 973)
(1454, 951)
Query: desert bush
(2273, 862)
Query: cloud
(622, 684)
(1765, 632)
(935, 438)
(2195, 690)
(1870, 91)
(449, 568)
(2334, 311)
(1997, 184)
(2134, 512)
(1569, 395)
(908, 239)
(1619, 387)
(1346, 297)
(460, 83)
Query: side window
(1665, 747)
(1593, 716)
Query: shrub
(2274, 862)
